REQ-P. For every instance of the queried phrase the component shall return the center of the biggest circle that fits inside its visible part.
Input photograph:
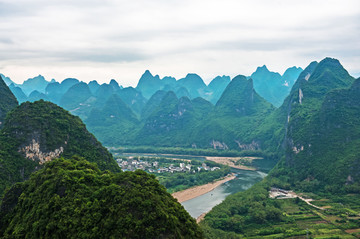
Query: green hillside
(152, 103)
(331, 138)
(239, 111)
(7, 101)
(76, 95)
(169, 121)
(173, 121)
(114, 122)
(321, 161)
(272, 129)
(133, 98)
(35, 133)
(44, 195)
(18, 93)
(74, 199)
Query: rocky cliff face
(33, 152)
(322, 131)
(44, 131)
(36, 133)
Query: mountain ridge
(320, 159)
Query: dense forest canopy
(72, 198)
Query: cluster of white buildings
(132, 164)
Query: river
(204, 203)
(244, 180)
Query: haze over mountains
(271, 85)
(192, 101)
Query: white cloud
(104, 39)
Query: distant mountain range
(270, 85)
(139, 114)
(226, 114)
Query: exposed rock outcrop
(33, 152)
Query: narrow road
(308, 201)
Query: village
(132, 164)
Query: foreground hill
(35, 133)
(74, 199)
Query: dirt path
(290, 194)
(308, 201)
(196, 191)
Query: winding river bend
(204, 203)
(243, 181)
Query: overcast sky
(107, 39)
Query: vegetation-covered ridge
(7, 101)
(74, 199)
(35, 133)
(331, 139)
(321, 160)
(48, 129)
(196, 123)
(191, 151)
(145, 115)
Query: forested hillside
(89, 101)
(85, 196)
(75, 199)
(35, 133)
(321, 160)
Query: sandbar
(197, 191)
(231, 162)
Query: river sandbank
(197, 191)
(233, 161)
(201, 217)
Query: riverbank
(234, 162)
(201, 217)
(197, 191)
